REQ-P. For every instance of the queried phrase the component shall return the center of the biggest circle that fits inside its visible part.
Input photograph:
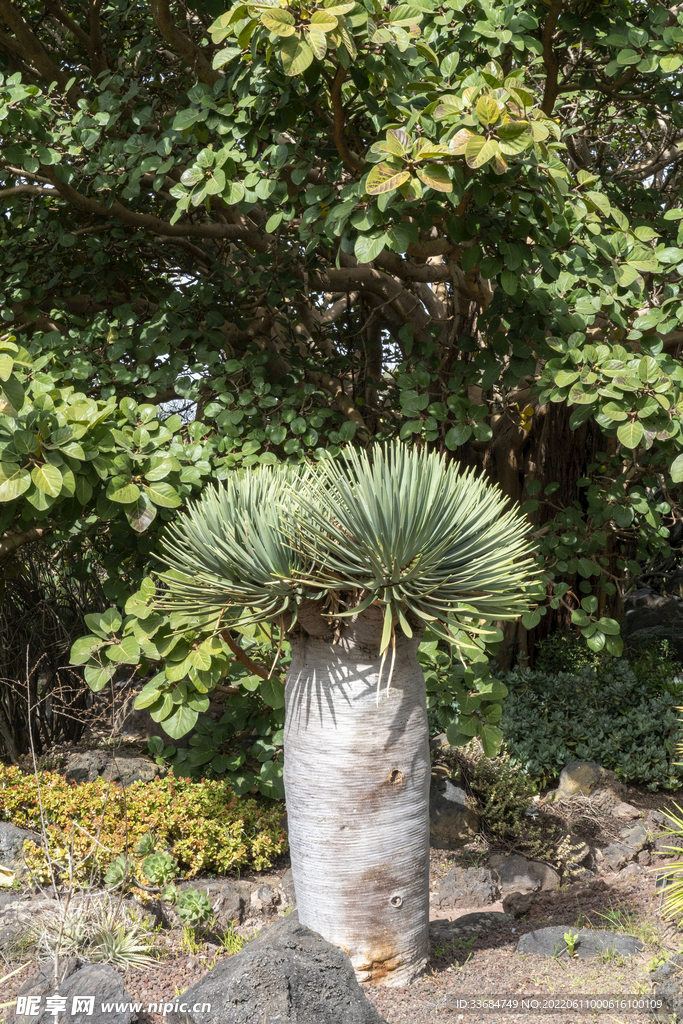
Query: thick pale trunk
(357, 786)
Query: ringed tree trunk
(357, 789)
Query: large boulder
(93, 994)
(466, 887)
(12, 848)
(288, 974)
(453, 819)
(551, 942)
(515, 873)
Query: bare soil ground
(483, 966)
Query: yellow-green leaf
(458, 143)
(383, 178)
(6, 366)
(487, 110)
(47, 479)
(426, 150)
(479, 151)
(317, 40)
(436, 177)
(296, 56)
(324, 21)
(13, 481)
(278, 21)
(630, 434)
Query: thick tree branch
(182, 44)
(55, 8)
(10, 542)
(33, 49)
(148, 221)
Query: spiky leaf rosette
(406, 530)
(229, 550)
(416, 534)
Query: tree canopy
(263, 234)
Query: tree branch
(182, 44)
(241, 655)
(351, 161)
(549, 58)
(11, 541)
(32, 48)
(148, 221)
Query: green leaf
(324, 21)
(97, 676)
(367, 249)
(676, 469)
(596, 642)
(273, 693)
(180, 722)
(487, 110)
(48, 479)
(163, 494)
(630, 434)
(83, 649)
(6, 366)
(121, 490)
(491, 739)
(127, 652)
(296, 56)
(14, 481)
(141, 513)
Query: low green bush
(617, 713)
(96, 828)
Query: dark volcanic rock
(288, 975)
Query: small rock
(264, 900)
(468, 925)
(466, 887)
(518, 903)
(96, 982)
(515, 873)
(453, 819)
(644, 857)
(617, 855)
(630, 870)
(227, 898)
(12, 848)
(624, 810)
(19, 919)
(583, 778)
(550, 942)
(286, 886)
(288, 974)
(439, 741)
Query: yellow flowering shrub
(202, 824)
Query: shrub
(98, 826)
(619, 714)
